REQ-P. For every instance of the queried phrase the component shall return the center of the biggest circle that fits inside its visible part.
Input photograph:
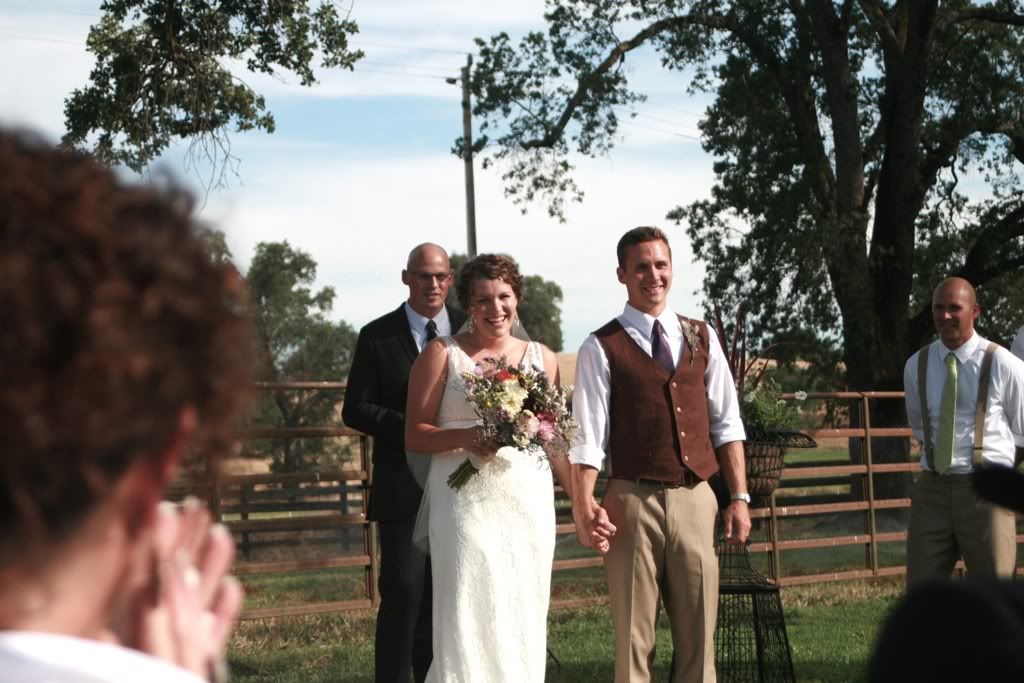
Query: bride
(492, 541)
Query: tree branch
(618, 53)
(876, 14)
(988, 14)
(796, 93)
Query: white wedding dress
(491, 547)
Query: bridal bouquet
(519, 408)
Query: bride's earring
(470, 327)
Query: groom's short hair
(644, 233)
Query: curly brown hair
(488, 267)
(114, 320)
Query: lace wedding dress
(491, 547)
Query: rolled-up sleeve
(590, 396)
(723, 405)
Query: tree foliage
(841, 131)
(540, 309)
(164, 71)
(297, 342)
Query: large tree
(840, 130)
(169, 69)
(296, 342)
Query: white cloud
(334, 194)
(360, 219)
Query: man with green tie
(965, 403)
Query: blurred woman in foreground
(123, 347)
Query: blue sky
(359, 169)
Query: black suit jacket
(375, 404)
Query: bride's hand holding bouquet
(520, 409)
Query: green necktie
(947, 418)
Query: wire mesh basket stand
(751, 645)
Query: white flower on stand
(800, 395)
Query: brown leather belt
(688, 480)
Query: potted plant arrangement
(770, 421)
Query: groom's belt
(688, 480)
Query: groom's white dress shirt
(1017, 348)
(593, 386)
(35, 657)
(1004, 416)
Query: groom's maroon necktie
(660, 349)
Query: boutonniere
(692, 334)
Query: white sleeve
(1017, 348)
(590, 396)
(1011, 374)
(723, 405)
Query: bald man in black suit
(375, 404)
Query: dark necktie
(431, 330)
(659, 348)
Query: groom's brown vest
(658, 422)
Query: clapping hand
(184, 610)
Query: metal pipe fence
(326, 511)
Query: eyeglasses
(427, 278)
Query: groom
(653, 392)
(375, 404)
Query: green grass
(831, 629)
(798, 456)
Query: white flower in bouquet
(512, 396)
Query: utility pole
(467, 158)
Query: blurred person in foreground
(124, 346)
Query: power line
(42, 40)
(359, 70)
(658, 105)
(656, 118)
(406, 65)
(661, 130)
(393, 46)
(43, 10)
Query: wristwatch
(745, 497)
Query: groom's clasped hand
(593, 528)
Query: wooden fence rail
(327, 509)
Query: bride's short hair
(488, 267)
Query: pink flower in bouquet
(546, 427)
(528, 423)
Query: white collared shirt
(418, 324)
(1017, 348)
(1004, 415)
(592, 389)
(52, 658)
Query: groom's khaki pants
(664, 546)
